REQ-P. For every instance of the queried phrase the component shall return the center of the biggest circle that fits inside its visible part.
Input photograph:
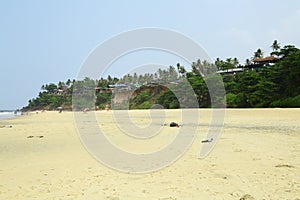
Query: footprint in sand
(284, 165)
(247, 197)
(31, 136)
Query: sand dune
(257, 157)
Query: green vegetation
(53, 96)
(253, 85)
(270, 86)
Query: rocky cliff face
(123, 98)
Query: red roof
(266, 59)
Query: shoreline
(7, 115)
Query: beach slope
(257, 157)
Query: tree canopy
(264, 85)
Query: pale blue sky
(47, 41)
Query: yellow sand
(257, 157)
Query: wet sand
(257, 157)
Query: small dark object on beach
(247, 197)
(60, 109)
(40, 136)
(205, 141)
(30, 136)
(284, 165)
(8, 126)
(174, 124)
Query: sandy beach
(257, 157)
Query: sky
(44, 42)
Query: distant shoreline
(8, 114)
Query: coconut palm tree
(248, 62)
(258, 54)
(235, 62)
(181, 69)
(68, 82)
(218, 63)
(275, 46)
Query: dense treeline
(267, 85)
(53, 96)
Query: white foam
(6, 115)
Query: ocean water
(6, 114)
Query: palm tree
(181, 69)
(60, 84)
(218, 63)
(248, 62)
(229, 64)
(258, 54)
(68, 82)
(235, 62)
(275, 46)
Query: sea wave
(6, 114)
